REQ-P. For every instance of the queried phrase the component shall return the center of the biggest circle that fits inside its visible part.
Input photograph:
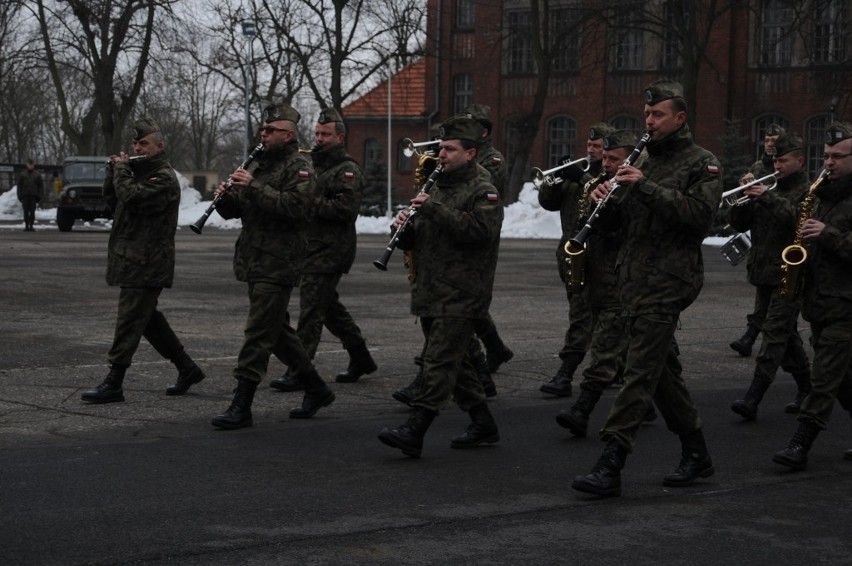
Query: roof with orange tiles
(408, 95)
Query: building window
(628, 41)
(671, 38)
(565, 26)
(774, 34)
(511, 138)
(561, 138)
(628, 123)
(372, 153)
(815, 142)
(462, 93)
(465, 14)
(830, 30)
(761, 125)
(519, 52)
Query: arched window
(815, 144)
(561, 138)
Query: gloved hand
(572, 173)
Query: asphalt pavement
(149, 481)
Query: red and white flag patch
(349, 175)
(304, 174)
(492, 197)
(712, 169)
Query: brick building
(765, 61)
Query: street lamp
(249, 32)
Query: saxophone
(795, 255)
(575, 255)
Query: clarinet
(382, 262)
(199, 224)
(579, 240)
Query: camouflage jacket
(772, 219)
(30, 184)
(762, 167)
(145, 197)
(331, 235)
(665, 218)
(455, 237)
(275, 210)
(493, 162)
(827, 293)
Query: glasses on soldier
(835, 156)
(270, 129)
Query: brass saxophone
(575, 255)
(795, 255)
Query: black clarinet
(579, 240)
(382, 262)
(199, 224)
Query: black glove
(573, 173)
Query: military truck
(82, 191)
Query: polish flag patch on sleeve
(496, 160)
(304, 174)
(349, 175)
(712, 168)
(492, 197)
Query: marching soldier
(30, 187)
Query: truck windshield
(83, 171)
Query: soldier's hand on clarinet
(599, 192)
(400, 218)
(241, 178)
(628, 174)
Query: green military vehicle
(82, 191)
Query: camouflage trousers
(781, 345)
(448, 370)
(831, 376)
(652, 374)
(579, 333)
(755, 318)
(268, 332)
(137, 317)
(607, 350)
(319, 305)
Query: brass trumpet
(541, 177)
(732, 198)
(409, 148)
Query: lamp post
(249, 32)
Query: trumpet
(541, 177)
(733, 198)
(409, 148)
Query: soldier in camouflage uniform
(761, 168)
(30, 187)
(274, 198)
(771, 217)
(609, 335)
(144, 195)
(827, 298)
(455, 237)
(331, 252)
(666, 208)
(565, 198)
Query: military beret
(837, 132)
(599, 130)
(461, 128)
(661, 90)
(480, 113)
(328, 115)
(280, 111)
(619, 138)
(787, 142)
(143, 127)
(774, 130)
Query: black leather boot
(795, 456)
(360, 363)
(317, 396)
(484, 375)
(605, 478)
(747, 406)
(560, 384)
(482, 429)
(188, 374)
(286, 382)
(406, 394)
(496, 352)
(576, 418)
(409, 436)
(803, 382)
(695, 461)
(238, 415)
(744, 344)
(109, 391)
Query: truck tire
(64, 220)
